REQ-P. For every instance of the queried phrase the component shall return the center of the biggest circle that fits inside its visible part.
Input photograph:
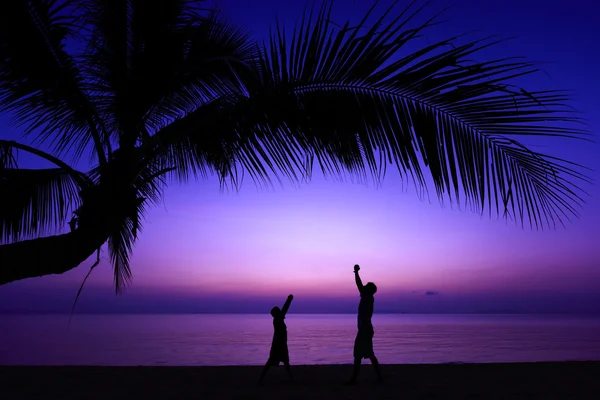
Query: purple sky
(240, 252)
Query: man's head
(370, 288)
(275, 312)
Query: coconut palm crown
(163, 90)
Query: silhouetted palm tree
(159, 89)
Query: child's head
(275, 312)
(371, 288)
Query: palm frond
(40, 83)
(352, 102)
(120, 198)
(185, 151)
(216, 55)
(34, 202)
(8, 159)
(152, 62)
(122, 241)
(7, 156)
(432, 106)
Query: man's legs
(289, 370)
(359, 350)
(355, 371)
(375, 363)
(264, 371)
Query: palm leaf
(122, 241)
(40, 83)
(7, 156)
(431, 107)
(8, 159)
(147, 188)
(152, 62)
(184, 150)
(346, 99)
(216, 55)
(124, 206)
(34, 202)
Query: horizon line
(37, 312)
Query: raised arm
(286, 305)
(359, 283)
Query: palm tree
(166, 90)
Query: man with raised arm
(363, 344)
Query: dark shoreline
(573, 380)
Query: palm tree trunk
(47, 255)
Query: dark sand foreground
(566, 380)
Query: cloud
(431, 293)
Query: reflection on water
(200, 339)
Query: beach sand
(565, 380)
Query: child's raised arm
(287, 305)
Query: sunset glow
(207, 249)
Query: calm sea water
(313, 339)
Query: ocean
(244, 339)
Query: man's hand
(356, 268)
(291, 296)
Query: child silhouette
(279, 348)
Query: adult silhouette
(279, 348)
(363, 344)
